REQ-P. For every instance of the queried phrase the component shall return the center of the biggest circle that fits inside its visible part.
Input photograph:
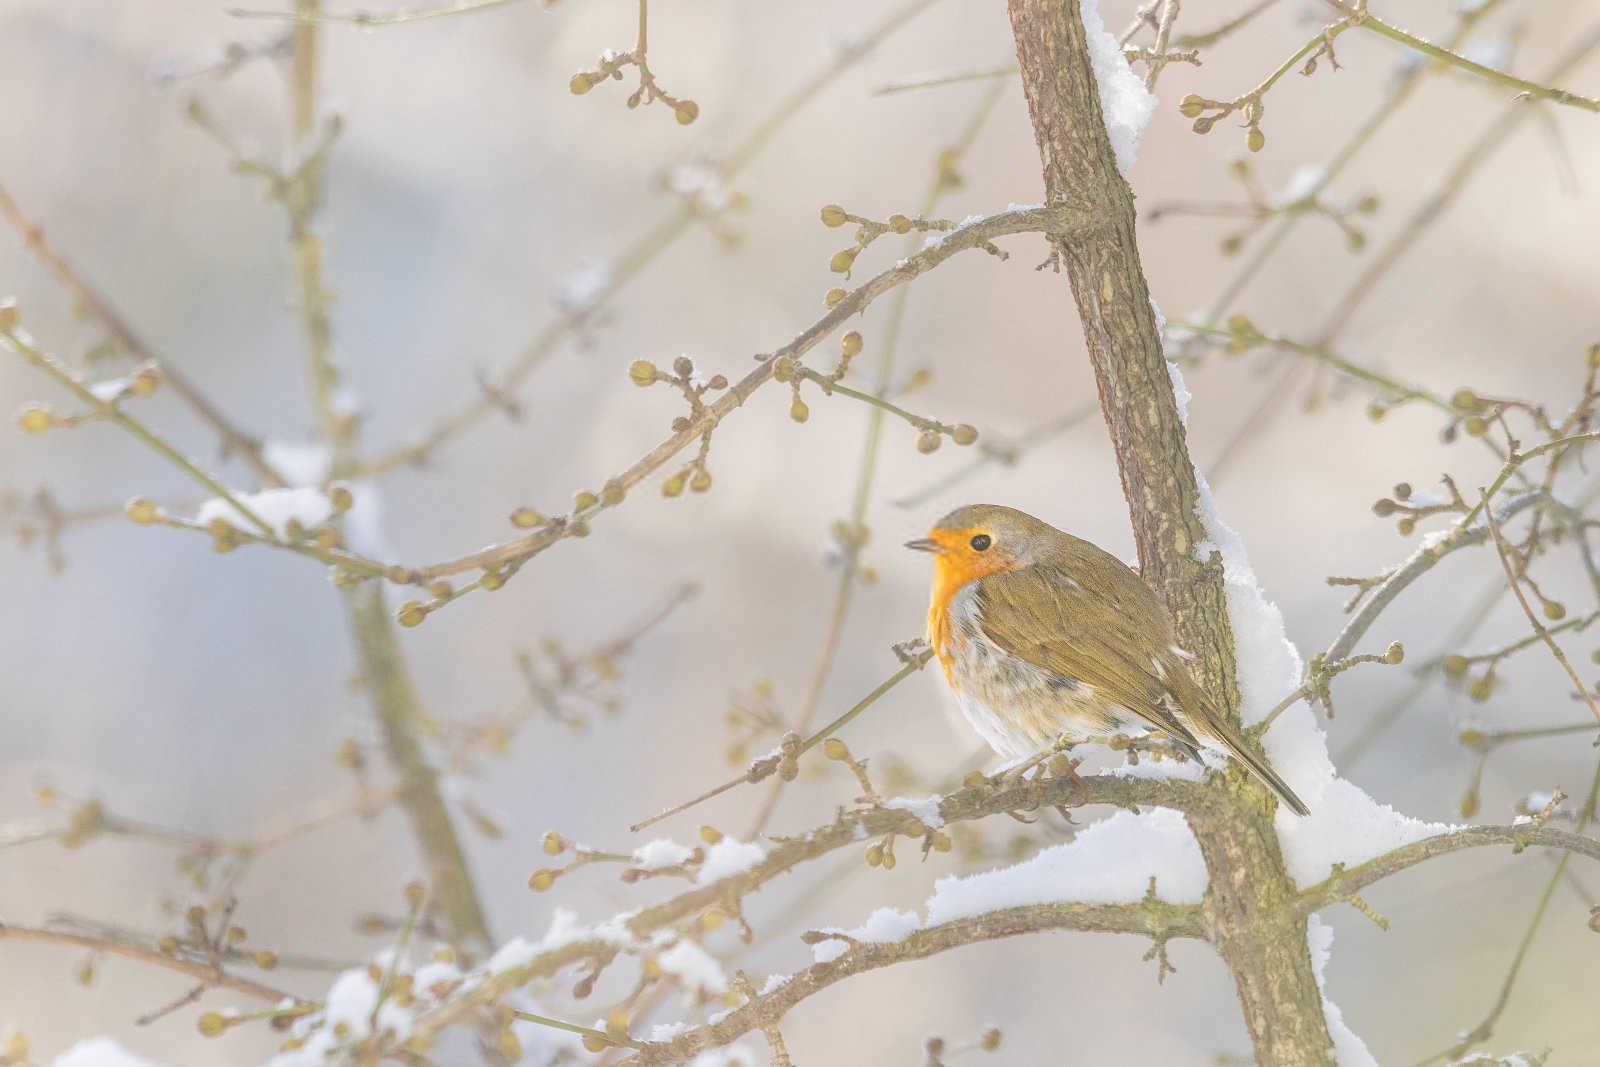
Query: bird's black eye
(981, 542)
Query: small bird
(1042, 633)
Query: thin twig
(1527, 609)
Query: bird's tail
(1204, 715)
(1240, 751)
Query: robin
(1043, 634)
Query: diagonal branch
(848, 830)
(233, 439)
(1153, 918)
(1339, 886)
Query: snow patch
(100, 1052)
(728, 857)
(1109, 862)
(885, 926)
(695, 968)
(1124, 101)
(1348, 1049)
(660, 854)
(276, 507)
(926, 809)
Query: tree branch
(1155, 919)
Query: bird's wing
(1088, 624)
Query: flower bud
(1191, 106)
(700, 482)
(836, 294)
(541, 880)
(798, 411)
(642, 372)
(581, 83)
(526, 518)
(35, 418)
(783, 368)
(843, 260)
(928, 441)
(142, 510)
(850, 344)
(963, 434)
(899, 224)
(686, 112)
(411, 613)
(1255, 140)
(834, 216)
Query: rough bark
(1248, 904)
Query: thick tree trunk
(1262, 944)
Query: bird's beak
(925, 544)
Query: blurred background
(468, 190)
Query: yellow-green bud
(1255, 140)
(843, 260)
(526, 518)
(553, 843)
(142, 510)
(1191, 106)
(836, 294)
(1554, 610)
(541, 879)
(1395, 654)
(581, 83)
(584, 500)
(798, 411)
(411, 613)
(673, 486)
(701, 481)
(491, 580)
(899, 224)
(211, 1024)
(642, 372)
(1454, 665)
(834, 216)
(35, 418)
(612, 494)
(835, 749)
(145, 382)
(686, 112)
(963, 434)
(783, 368)
(928, 441)
(850, 344)
(340, 498)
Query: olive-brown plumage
(1041, 633)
